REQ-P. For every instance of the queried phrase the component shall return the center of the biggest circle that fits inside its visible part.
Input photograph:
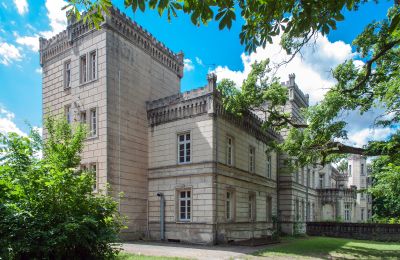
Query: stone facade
(147, 139)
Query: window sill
(183, 221)
(87, 82)
(90, 138)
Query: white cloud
(360, 138)
(30, 41)
(58, 23)
(312, 68)
(199, 61)
(9, 53)
(188, 65)
(39, 70)
(7, 124)
(22, 6)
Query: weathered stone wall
(81, 97)
(133, 77)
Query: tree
(320, 137)
(48, 209)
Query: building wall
(133, 77)
(81, 97)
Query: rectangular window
(349, 170)
(229, 205)
(93, 169)
(68, 114)
(308, 177)
(185, 205)
(308, 211)
(184, 148)
(362, 195)
(83, 69)
(303, 211)
(362, 214)
(92, 65)
(362, 170)
(82, 117)
(269, 208)
(93, 122)
(297, 210)
(252, 207)
(347, 211)
(229, 151)
(302, 176)
(252, 164)
(313, 180)
(269, 166)
(67, 74)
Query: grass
(126, 256)
(336, 248)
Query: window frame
(94, 166)
(347, 211)
(252, 159)
(185, 149)
(93, 131)
(252, 211)
(186, 199)
(269, 207)
(83, 70)
(232, 209)
(230, 151)
(269, 166)
(67, 74)
(92, 70)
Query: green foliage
(48, 209)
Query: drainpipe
(162, 211)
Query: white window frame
(185, 203)
(230, 149)
(187, 152)
(92, 66)
(83, 117)
(93, 123)
(230, 205)
(67, 74)
(83, 69)
(269, 166)
(252, 207)
(252, 159)
(347, 211)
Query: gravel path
(191, 251)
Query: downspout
(278, 211)
(119, 140)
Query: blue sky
(205, 47)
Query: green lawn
(336, 248)
(126, 256)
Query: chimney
(292, 77)
(212, 81)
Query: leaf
(394, 23)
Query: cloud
(57, 20)
(312, 68)
(188, 65)
(6, 123)
(361, 137)
(9, 53)
(22, 6)
(30, 41)
(39, 70)
(199, 61)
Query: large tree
(321, 136)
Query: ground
(290, 248)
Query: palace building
(189, 171)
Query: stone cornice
(118, 22)
(200, 101)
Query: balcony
(332, 195)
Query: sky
(206, 49)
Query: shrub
(48, 209)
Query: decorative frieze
(120, 23)
(204, 100)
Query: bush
(48, 209)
